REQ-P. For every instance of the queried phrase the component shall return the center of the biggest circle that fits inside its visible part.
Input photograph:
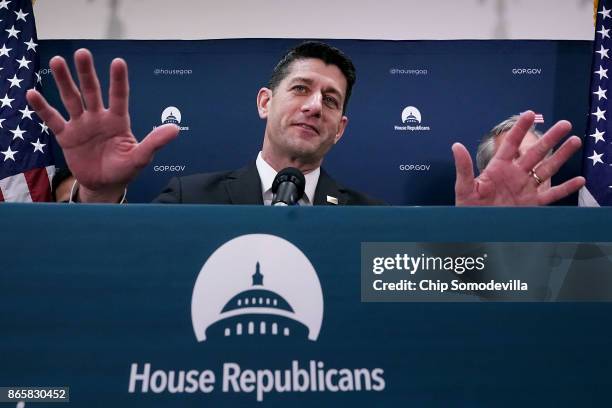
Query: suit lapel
(327, 190)
(244, 186)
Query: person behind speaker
(495, 137)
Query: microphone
(288, 187)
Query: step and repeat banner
(412, 100)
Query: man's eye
(331, 101)
(299, 88)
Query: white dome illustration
(411, 114)
(171, 115)
(257, 285)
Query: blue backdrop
(460, 88)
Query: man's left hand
(509, 180)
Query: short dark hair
(59, 177)
(316, 49)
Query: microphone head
(293, 175)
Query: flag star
(38, 78)
(4, 4)
(601, 93)
(604, 32)
(598, 135)
(596, 158)
(599, 113)
(603, 52)
(44, 128)
(9, 154)
(32, 45)
(6, 101)
(21, 15)
(23, 62)
(604, 12)
(26, 112)
(15, 82)
(12, 32)
(17, 133)
(1, 120)
(603, 73)
(4, 50)
(38, 146)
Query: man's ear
(264, 96)
(341, 127)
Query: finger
(47, 113)
(143, 153)
(558, 192)
(88, 79)
(538, 151)
(119, 93)
(510, 146)
(464, 181)
(551, 165)
(68, 90)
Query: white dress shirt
(267, 174)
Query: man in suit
(304, 107)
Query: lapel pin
(332, 200)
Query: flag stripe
(38, 183)
(15, 188)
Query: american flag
(597, 160)
(26, 161)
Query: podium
(234, 306)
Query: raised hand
(98, 143)
(509, 180)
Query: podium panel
(234, 306)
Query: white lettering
(231, 371)
(159, 380)
(144, 377)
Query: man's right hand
(98, 143)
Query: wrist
(82, 194)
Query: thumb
(158, 138)
(464, 181)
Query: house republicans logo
(410, 114)
(411, 120)
(257, 287)
(260, 290)
(172, 114)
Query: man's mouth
(308, 127)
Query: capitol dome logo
(410, 114)
(171, 115)
(257, 287)
(411, 121)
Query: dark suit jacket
(243, 186)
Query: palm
(510, 181)
(97, 142)
(502, 183)
(98, 147)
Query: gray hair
(486, 148)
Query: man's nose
(313, 105)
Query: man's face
(528, 141)
(304, 113)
